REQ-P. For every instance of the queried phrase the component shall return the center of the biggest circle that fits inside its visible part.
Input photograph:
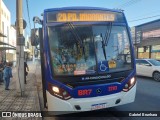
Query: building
(27, 48)
(146, 39)
(31, 50)
(8, 32)
(11, 54)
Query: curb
(37, 95)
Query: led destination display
(64, 17)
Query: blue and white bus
(87, 59)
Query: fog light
(64, 93)
(126, 86)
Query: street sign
(24, 24)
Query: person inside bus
(63, 59)
(71, 58)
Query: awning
(2, 35)
(8, 45)
(7, 48)
(3, 43)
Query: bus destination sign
(73, 16)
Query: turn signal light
(58, 92)
(129, 84)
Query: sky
(135, 10)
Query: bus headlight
(55, 89)
(132, 81)
(58, 92)
(129, 84)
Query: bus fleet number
(84, 92)
(112, 88)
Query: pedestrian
(7, 74)
(26, 68)
(1, 71)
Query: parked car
(149, 68)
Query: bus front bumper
(58, 106)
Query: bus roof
(83, 8)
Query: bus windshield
(89, 49)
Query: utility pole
(19, 49)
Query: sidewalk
(9, 101)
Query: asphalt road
(147, 100)
(147, 96)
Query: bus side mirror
(35, 37)
(36, 33)
(37, 20)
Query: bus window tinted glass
(72, 54)
(117, 47)
(77, 49)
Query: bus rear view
(88, 59)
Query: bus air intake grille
(95, 82)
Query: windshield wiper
(77, 37)
(106, 39)
(103, 46)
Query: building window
(5, 14)
(144, 52)
(151, 34)
(155, 52)
(3, 29)
(140, 49)
(138, 36)
(2, 11)
(156, 48)
(27, 45)
(8, 34)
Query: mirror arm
(37, 20)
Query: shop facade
(146, 40)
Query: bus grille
(95, 82)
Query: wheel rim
(157, 76)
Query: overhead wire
(146, 14)
(128, 3)
(144, 18)
(131, 2)
(28, 14)
(27, 5)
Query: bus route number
(85, 92)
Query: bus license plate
(98, 106)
